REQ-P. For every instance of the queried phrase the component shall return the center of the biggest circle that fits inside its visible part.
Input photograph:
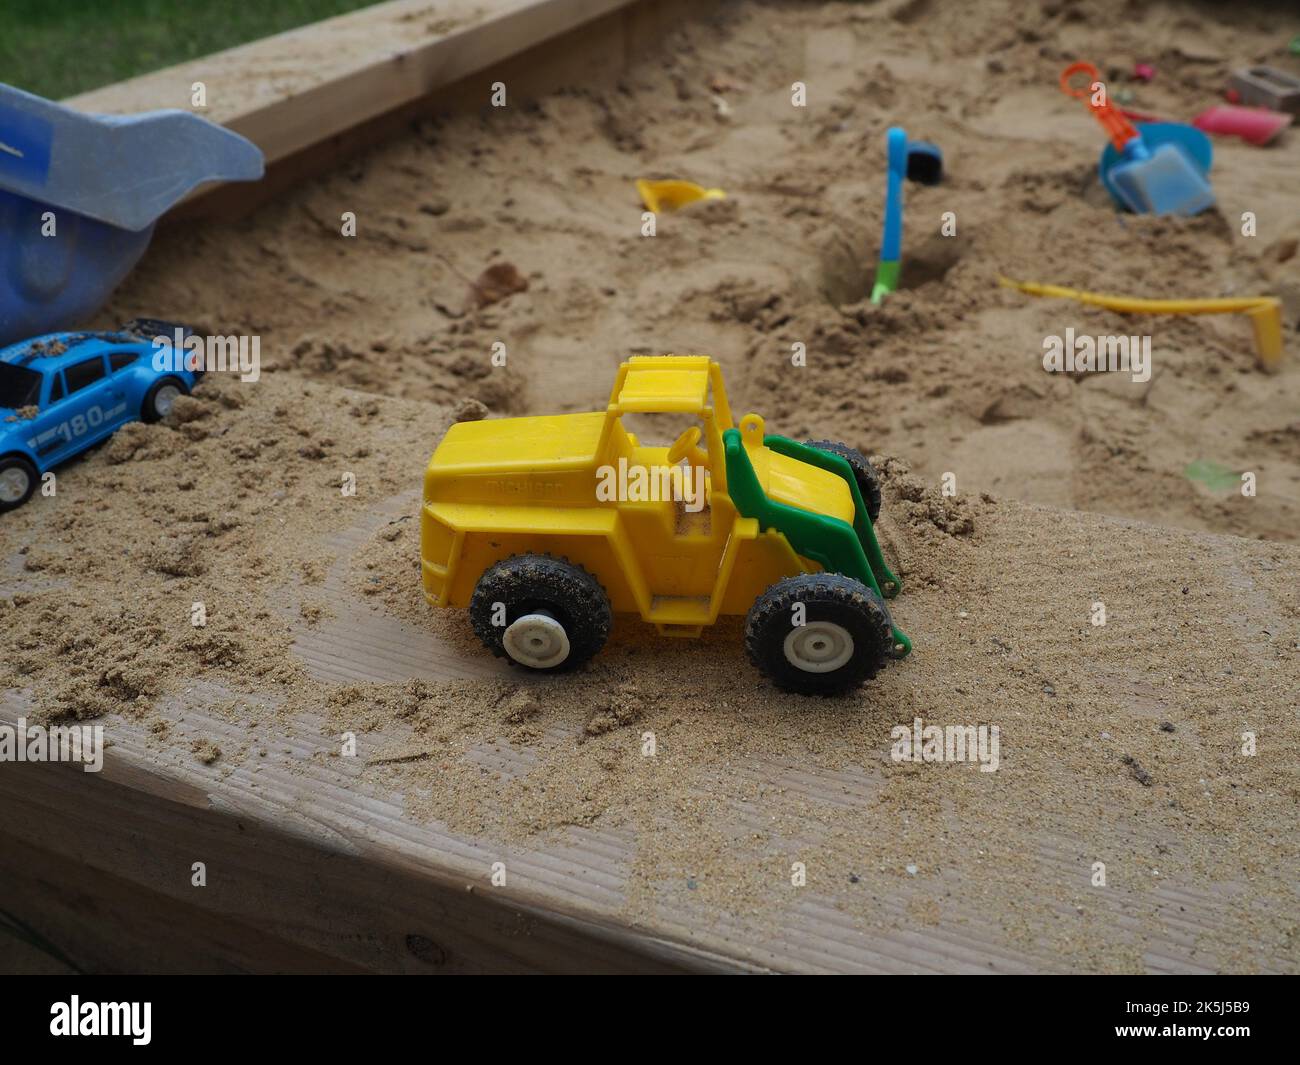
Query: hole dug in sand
(848, 265)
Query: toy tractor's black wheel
(160, 397)
(818, 633)
(540, 612)
(867, 478)
(17, 481)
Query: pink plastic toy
(1144, 71)
(1257, 125)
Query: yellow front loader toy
(545, 527)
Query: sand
(948, 374)
(1070, 491)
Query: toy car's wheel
(17, 481)
(161, 397)
(867, 478)
(540, 612)
(840, 637)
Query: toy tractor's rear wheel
(818, 633)
(540, 612)
(863, 472)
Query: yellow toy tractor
(545, 527)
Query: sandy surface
(948, 374)
(1121, 743)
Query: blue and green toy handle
(889, 268)
(834, 544)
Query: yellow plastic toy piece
(1264, 312)
(546, 527)
(671, 194)
(499, 487)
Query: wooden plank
(90, 920)
(292, 90)
(314, 95)
(304, 91)
(314, 862)
(304, 875)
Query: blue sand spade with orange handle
(1153, 168)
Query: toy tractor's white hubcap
(818, 647)
(537, 641)
(165, 398)
(14, 483)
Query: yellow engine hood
(551, 442)
(545, 461)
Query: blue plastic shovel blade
(1194, 146)
(124, 170)
(79, 196)
(1165, 182)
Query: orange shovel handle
(1119, 128)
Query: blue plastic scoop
(79, 196)
(1151, 170)
(1191, 142)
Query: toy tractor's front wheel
(541, 612)
(818, 633)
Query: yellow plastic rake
(1264, 312)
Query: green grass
(58, 48)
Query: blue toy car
(63, 392)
